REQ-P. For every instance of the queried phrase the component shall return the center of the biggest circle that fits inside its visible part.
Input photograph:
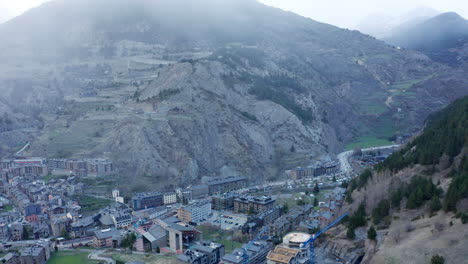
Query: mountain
(417, 199)
(383, 26)
(443, 38)
(173, 91)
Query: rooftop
(296, 237)
(282, 254)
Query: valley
(231, 132)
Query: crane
(251, 242)
(316, 235)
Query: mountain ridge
(443, 38)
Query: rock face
(173, 93)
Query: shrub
(437, 259)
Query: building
(313, 171)
(147, 200)
(170, 198)
(121, 219)
(99, 167)
(184, 195)
(116, 215)
(32, 209)
(82, 168)
(60, 226)
(252, 204)
(200, 191)
(107, 238)
(178, 234)
(4, 232)
(154, 238)
(257, 254)
(224, 185)
(283, 255)
(295, 241)
(16, 231)
(196, 212)
(33, 255)
(22, 167)
(10, 258)
(153, 213)
(222, 202)
(203, 253)
(82, 227)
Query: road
(75, 242)
(95, 255)
(18, 153)
(343, 157)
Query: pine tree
(436, 205)
(25, 235)
(316, 189)
(350, 233)
(371, 233)
(316, 202)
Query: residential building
(224, 185)
(224, 201)
(16, 231)
(170, 198)
(107, 238)
(147, 200)
(4, 232)
(59, 226)
(195, 212)
(33, 255)
(83, 226)
(203, 253)
(251, 204)
(184, 195)
(257, 254)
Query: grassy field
(145, 258)
(51, 176)
(213, 233)
(229, 245)
(90, 203)
(7, 207)
(220, 236)
(367, 142)
(71, 257)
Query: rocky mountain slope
(173, 93)
(444, 38)
(418, 198)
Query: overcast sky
(343, 13)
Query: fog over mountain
(444, 38)
(385, 25)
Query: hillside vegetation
(422, 190)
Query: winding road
(343, 157)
